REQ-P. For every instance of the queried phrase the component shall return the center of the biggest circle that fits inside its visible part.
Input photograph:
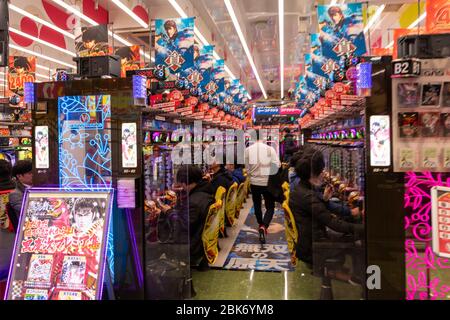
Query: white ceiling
(257, 18)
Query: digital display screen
(380, 141)
(129, 145)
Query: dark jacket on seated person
(221, 178)
(238, 176)
(312, 217)
(200, 199)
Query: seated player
(236, 171)
(312, 217)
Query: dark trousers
(258, 192)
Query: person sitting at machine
(312, 216)
(220, 176)
(237, 171)
(23, 173)
(323, 192)
(201, 197)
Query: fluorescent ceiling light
(41, 21)
(375, 17)
(131, 13)
(202, 39)
(244, 45)
(76, 12)
(281, 23)
(48, 44)
(43, 56)
(416, 23)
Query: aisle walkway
(220, 284)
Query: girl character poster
(408, 123)
(408, 94)
(429, 122)
(21, 70)
(431, 94)
(130, 59)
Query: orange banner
(21, 70)
(438, 16)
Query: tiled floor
(219, 284)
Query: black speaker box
(95, 67)
(424, 46)
(4, 34)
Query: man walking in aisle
(261, 161)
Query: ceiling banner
(21, 70)
(438, 16)
(174, 44)
(341, 30)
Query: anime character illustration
(94, 41)
(73, 270)
(130, 59)
(380, 138)
(85, 215)
(408, 124)
(408, 94)
(341, 30)
(431, 94)
(129, 140)
(174, 43)
(21, 70)
(429, 122)
(41, 143)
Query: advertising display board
(421, 119)
(61, 245)
(440, 199)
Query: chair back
(291, 230)
(210, 234)
(240, 197)
(230, 204)
(221, 197)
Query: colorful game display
(408, 123)
(60, 249)
(408, 94)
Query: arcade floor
(299, 284)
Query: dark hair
(310, 164)
(22, 167)
(91, 33)
(333, 10)
(22, 62)
(5, 170)
(189, 174)
(125, 52)
(85, 204)
(170, 24)
(286, 130)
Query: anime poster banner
(41, 147)
(205, 65)
(92, 41)
(174, 44)
(341, 30)
(438, 16)
(129, 145)
(380, 141)
(219, 75)
(130, 59)
(60, 247)
(308, 62)
(21, 70)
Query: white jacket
(261, 161)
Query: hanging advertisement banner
(60, 250)
(206, 64)
(320, 65)
(438, 16)
(92, 41)
(130, 59)
(341, 30)
(219, 75)
(21, 70)
(174, 44)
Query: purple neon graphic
(420, 283)
(137, 261)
